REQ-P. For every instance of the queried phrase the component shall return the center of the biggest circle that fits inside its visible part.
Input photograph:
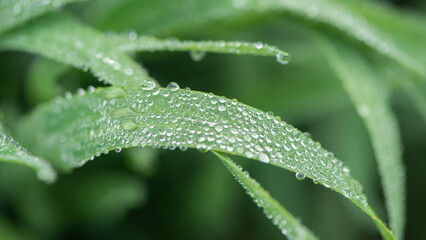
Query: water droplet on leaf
(173, 86)
(197, 55)
(283, 58)
(300, 176)
(148, 85)
(263, 157)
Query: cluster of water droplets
(173, 118)
(10, 149)
(9, 145)
(197, 49)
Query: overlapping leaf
(15, 12)
(370, 95)
(66, 40)
(11, 151)
(287, 223)
(71, 131)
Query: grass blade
(370, 96)
(64, 39)
(71, 131)
(11, 151)
(286, 223)
(15, 12)
(132, 43)
(372, 24)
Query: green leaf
(64, 39)
(71, 131)
(287, 223)
(370, 95)
(372, 24)
(15, 12)
(11, 151)
(132, 43)
(404, 32)
(42, 80)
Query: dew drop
(222, 108)
(202, 150)
(346, 170)
(283, 58)
(117, 150)
(148, 85)
(68, 95)
(258, 45)
(308, 135)
(218, 128)
(91, 89)
(197, 55)
(173, 86)
(300, 176)
(249, 154)
(263, 157)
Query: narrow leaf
(132, 43)
(372, 24)
(11, 151)
(70, 132)
(369, 94)
(62, 38)
(15, 12)
(286, 223)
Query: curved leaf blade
(80, 128)
(132, 43)
(11, 151)
(371, 98)
(287, 223)
(374, 24)
(64, 39)
(15, 12)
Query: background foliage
(144, 193)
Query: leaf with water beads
(131, 43)
(73, 130)
(11, 151)
(287, 223)
(64, 39)
(368, 22)
(15, 12)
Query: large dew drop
(173, 86)
(148, 85)
(283, 58)
(264, 158)
(300, 176)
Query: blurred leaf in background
(144, 193)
